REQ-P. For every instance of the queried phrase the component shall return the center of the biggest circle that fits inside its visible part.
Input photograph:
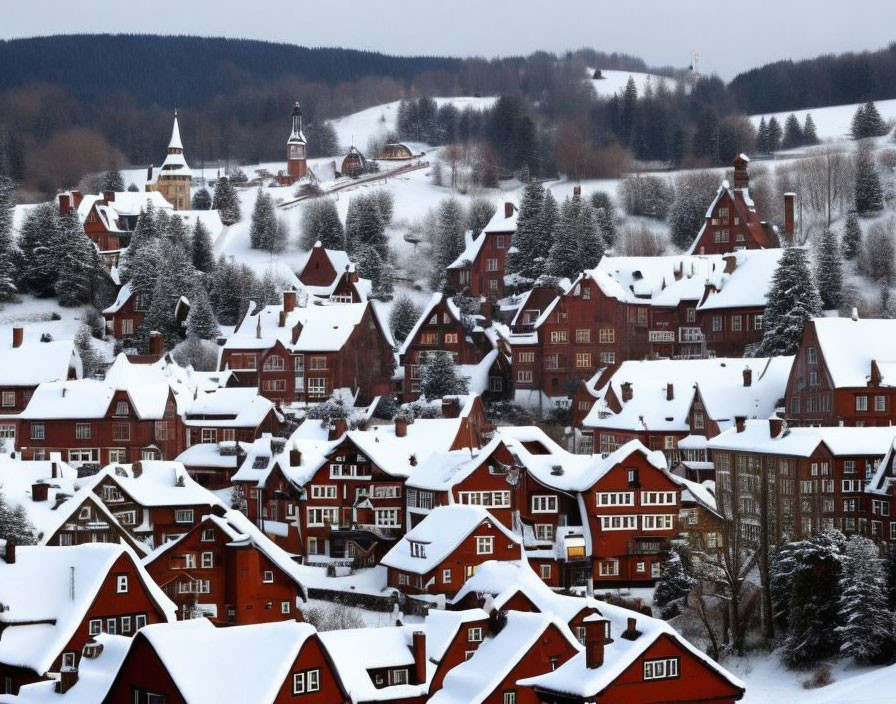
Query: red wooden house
(732, 222)
(330, 274)
(26, 365)
(479, 270)
(125, 316)
(225, 569)
(56, 598)
(839, 375)
(304, 353)
(228, 415)
(477, 351)
(266, 663)
(445, 548)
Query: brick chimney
(412, 460)
(740, 423)
(156, 344)
(631, 632)
(730, 263)
(137, 469)
(282, 321)
(788, 216)
(338, 429)
(10, 552)
(65, 203)
(419, 648)
(77, 197)
(40, 491)
(627, 392)
(577, 191)
(18, 335)
(670, 391)
(451, 407)
(401, 427)
(775, 426)
(289, 301)
(595, 639)
(68, 678)
(741, 177)
(109, 196)
(485, 307)
(508, 210)
(295, 457)
(748, 376)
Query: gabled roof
(241, 531)
(39, 587)
(175, 142)
(443, 470)
(262, 657)
(159, 483)
(33, 363)
(440, 532)
(434, 301)
(124, 295)
(744, 208)
(719, 382)
(227, 407)
(500, 222)
(849, 347)
(472, 247)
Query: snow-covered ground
(615, 82)
(831, 122)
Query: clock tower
(296, 163)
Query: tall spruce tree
(8, 289)
(365, 225)
(264, 221)
(550, 216)
(793, 132)
(77, 261)
(775, 134)
(227, 201)
(403, 317)
(869, 194)
(439, 377)
(113, 181)
(321, 223)
(674, 585)
(829, 270)
(852, 236)
(201, 321)
(528, 236)
(147, 230)
(762, 136)
(577, 243)
(810, 133)
(39, 245)
(792, 300)
(203, 255)
(202, 200)
(449, 237)
(868, 629)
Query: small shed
(354, 163)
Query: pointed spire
(175, 142)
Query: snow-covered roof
(95, 677)
(703, 493)
(241, 531)
(124, 295)
(850, 346)
(443, 470)
(175, 142)
(500, 222)
(33, 363)
(472, 246)
(473, 680)
(658, 281)
(434, 301)
(228, 407)
(719, 382)
(207, 454)
(160, 483)
(355, 651)
(748, 285)
(47, 592)
(264, 655)
(802, 442)
(440, 533)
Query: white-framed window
(491, 264)
(542, 503)
(661, 669)
(451, 338)
(121, 408)
(524, 376)
(559, 337)
(274, 363)
(127, 326)
(608, 568)
(38, 431)
(525, 357)
(489, 499)
(82, 431)
(121, 432)
(125, 625)
(417, 549)
(485, 545)
(9, 398)
(398, 677)
(661, 521)
(111, 626)
(317, 386)
(658, 498)
(94, 626)
(606, 336)
(583, 360)
(544, 531)
(861, 403)
(207, 560)
(121, 584)
(190, 561)
(736, 323)
(208, 535)
(446, 575)
(717, 323)
(268, 577)
(183, 515)
(139, 621)
(474, 634)
(117, 455)
(285, 608)
(306, 681)
(583, 335)
(386, 517)
(880, 403)
(321, 515)
(323, 491)
(544, 571)
(621, 522)
(615, 498)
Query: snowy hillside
(615, 82)
(832, 122)
(359, 127)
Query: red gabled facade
(124, 318)
(482, 273)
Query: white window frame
(544, 503)
(485, 544)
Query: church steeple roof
(175, 142)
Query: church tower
(174, 177)
(296, 164)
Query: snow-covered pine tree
(321, 223)
(869, 194)
(577, 243)
(550, 216)
(376, 268)
(479, 214)
(226, 292)
(873, 123)
(439, 377)
(829, 270)
(604, 216)
(449, 237)
(279, 236)
(762, 136)
(793, 132)
(226, 201)
(75, 256)
(203, 256)
(266, 291)
(366, 226)
(113, 181)
(176, 233)
(775, 134)
(528, 232)
(852, 236)
(201, 320)
(261, 230)
(694, 191)
(90, 360)
(147, 230)
(403, 317)
(160, 315)
(810, 133)
(591, 244)
(14, 524)
(8, 289)
(144, 269)
(38, 245)
(792, 300)
(868, 629)
(858, 129)
(673, 586)
(814, 600)
(202, 200)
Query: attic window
(121, 408)
(418, 550)
(260, 462)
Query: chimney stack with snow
(18, 335)
(289, 301)
(401, 427)
(788, 216)
(740, 422)
(508, 210)
(419, 648)
(295, 457)
(670, 391)
(775, 426)
(627, 392)
(741, 177)
(748, 376)
(156, 344)
(631, 632)
(10, 552)
(595, 639)
(40, 491)
(338, 429)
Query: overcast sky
(730, 37)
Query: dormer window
(418, 550)
(121, 408)
(260, 462)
